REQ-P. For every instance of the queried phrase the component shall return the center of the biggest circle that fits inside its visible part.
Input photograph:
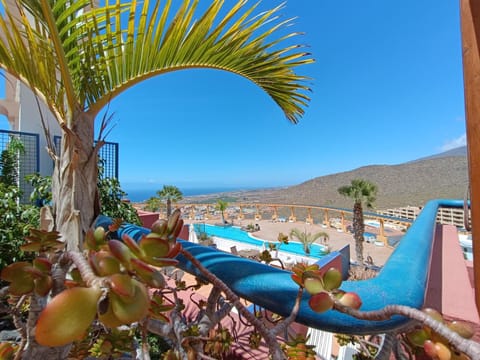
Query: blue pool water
(237, 234)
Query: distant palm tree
(170, 194)
(153, 204)
(307, 239)
(362, 192)
(222, 206)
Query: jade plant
(110, 282)
(432, 336)
(95, 302)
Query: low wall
(332, 259)
(147, 218)
(450, 290)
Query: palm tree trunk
(75, 201)
(169, 208)
(358, 230)
(74, 181)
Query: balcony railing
(402, 280)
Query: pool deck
(269, 231)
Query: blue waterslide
(402, 280)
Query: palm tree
(170, 194)
(307, 239)
(77, 59)
(152, 204)
(362, 192)
(222, 206)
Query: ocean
(142, 194)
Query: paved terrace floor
(269, 231)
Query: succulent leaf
(175, 250)
(297, 279)
(42, 264)
(103, 263)
(121, 252)
(176, 231)
(313, 285)
(418, 337)
(332, 279)
(160, 262)
(462, 328)
(172, 220)
(108, 317)
(20, 279)
(159, 227)
(133, 246)
(99, 235)
(351, 299)
(42, 241)
(434, 314)
(154, 246)
(67, 317)
(320, 302)
(134, 310)
(7, 351)
(43, 285)
(152, 277)
(122, 285)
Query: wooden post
(381, 236)
(325, 217)
(207, 214)
(275, 214)
(342, 221)
(292, 217)
(470, 27)
(258, 215)
(240, 213)
(309, 219)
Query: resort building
(25, 114)
(445, 216)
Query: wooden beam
(470, 27)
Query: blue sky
(387, 88)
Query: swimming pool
(237, 234)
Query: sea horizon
(135, 194)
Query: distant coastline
(138, 195)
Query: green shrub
(112, 204)
(16, 220)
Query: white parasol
(192, 236)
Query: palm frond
(77, 56)
(24, 56)
(155, 41)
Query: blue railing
(402, 280)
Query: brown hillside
(411, 183)
(398, 185)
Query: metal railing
(28, 160)
(108, 157)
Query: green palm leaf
(78, 57)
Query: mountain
(398, 185)
(459, 151)
(443, 175)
